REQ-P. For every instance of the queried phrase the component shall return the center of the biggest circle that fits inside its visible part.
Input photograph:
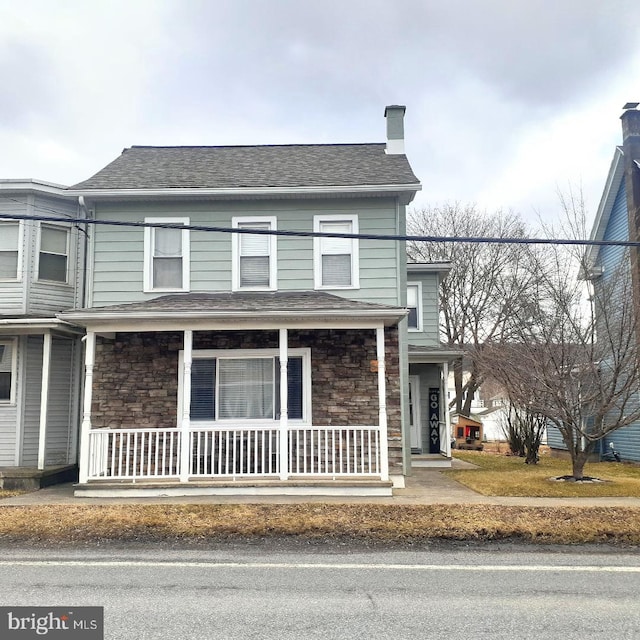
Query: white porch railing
(234, 451)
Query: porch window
(254, 255)
(246, 388)
(336, 259)
(7, 370)
(54, 253)
(166, 256)
(414, 304)
(9, 243)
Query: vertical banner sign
(434, 420)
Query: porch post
(89, 360)
(44, 400)
(445, 408)
(382, 404)
(284, 405)
(185, 444)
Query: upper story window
(53, 258)
(166, 256)
(414, 304)
(9, 250)
(7, 371)
(336, 259)
(254, 255)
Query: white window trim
(148, 256)
(235, 253)
(21, 231)
(304, 352)
(13, 342)
(355, 250)
(419, 308)
(66, 228)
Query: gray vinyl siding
(28, 296)
(626, 441)
(617, 229)
(554, 439)
(31, 413)
(11, 291)
(8, 415)
(118, 252)
(60, 410)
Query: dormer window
(166, 256)
(254, 255)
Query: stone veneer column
(382, 405)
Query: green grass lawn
(502, 475)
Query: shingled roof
(295, 304)
(306, 165)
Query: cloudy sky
(507, 100)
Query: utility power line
(322, 234)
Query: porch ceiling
(244, 310)
(433, 355)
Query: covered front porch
(261, 399)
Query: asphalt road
(261, 592)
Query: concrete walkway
(425, 486)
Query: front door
(414, 413)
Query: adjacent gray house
(41, 265)
(248, 327)
(617, 218)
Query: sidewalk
(425, 486)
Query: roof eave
(406, 190)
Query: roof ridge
(254, 146)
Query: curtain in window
(412, 305)
(254, 256)
(245, 388)
(336, 254)
(167, 258)
(203, 389)
(9, 250)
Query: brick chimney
(395, 128)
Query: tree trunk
(579, 459)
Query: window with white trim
(7, 371)
(245, 385)
(335, 258)
(166, 256)
(254, 255)
(9, 250)
(53, 258)
(414, 304)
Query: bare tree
(569, 359)
(487, 283)
(524, 430)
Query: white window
(254, 255)
(9, 250)
(245, 385)
(335, 258)
(7, 371)
(414, 304)
(53, 257)
(166, 256)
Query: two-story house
(248, 322)
(617, 219)
(41, 265)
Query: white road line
(313, 565)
